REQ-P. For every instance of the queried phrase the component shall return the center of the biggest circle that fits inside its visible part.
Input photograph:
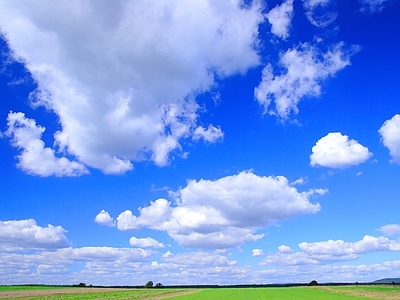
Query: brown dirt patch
(163, 294)
(36, 293)
(386, 295)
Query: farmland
(274, 293)
(306, 293)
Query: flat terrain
(381, 292)
(68, 293)
(295, 293)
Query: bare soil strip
(35, 293)
(387, 295)
(58, 292)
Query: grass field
(298, 293)
(271, 293)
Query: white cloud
(103, 265)
(104, 218)
(306, 67)
(127, 266)
(333, 273)
(155, 216)
(280, 18)
(257, 252)
(390, 133)
(390, 229)
(319, 12)
(223, 238)
(223, 213)
(284, 249)
(199, 259)
(331, 251)
(337, 151)
(299, 181)
(23, 235)
(127, 221)
(167, 254)
(102, 254)
(35, 158)
(340, 248)
(145, 242)
(211, 134)
(372, 5)
(123, 76)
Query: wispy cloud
(257, 252)
(320, 12)
(390, 229)
(372, 5)
(305, 67)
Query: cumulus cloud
(127, 266)
(305, 67)
(123, 77)
(330, 273)
(101, 264)
(223, 213)
(342, 248)
(319, 12)
(331, 251)
(284, 249)
(280, 18)
(257, 252)
(103, 254)
(337, 151)
(35, 158)
(390, 229)
(145, 242)
(104, 218)
(390, 133)
(372, 5)
(20, 235)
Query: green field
(306, 293)
(272, 293)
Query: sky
(199, 142)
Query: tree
(158, 285)
(149, 284)
(314, 282)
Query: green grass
(270, 293)
(298, 293)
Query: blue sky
(199, 142)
